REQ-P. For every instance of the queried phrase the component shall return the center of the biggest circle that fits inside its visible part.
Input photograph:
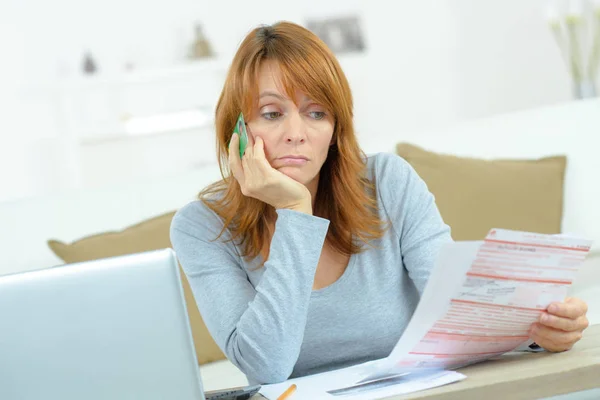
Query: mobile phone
(240, 129)
(236, 393)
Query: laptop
(114, 328)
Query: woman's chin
(294, 173)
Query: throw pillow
(476, 195)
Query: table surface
(523, 375)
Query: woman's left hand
(561, 326)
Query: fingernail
(544, 318)
(553, 308)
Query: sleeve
(414, 216)
(259, 329)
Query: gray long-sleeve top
(271, 323)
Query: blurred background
(102, 93)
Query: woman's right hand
(258, 179)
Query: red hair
(345, 196)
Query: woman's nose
(295, 132)
(294, 139)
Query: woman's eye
(271, 115)
(317, 115)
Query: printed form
(482, 298)
(480, 301)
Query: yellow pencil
(288, 392)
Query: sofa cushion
(476, 195)
(151, 234)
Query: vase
(584, 89)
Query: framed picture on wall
(341, 34)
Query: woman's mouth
(292, 160)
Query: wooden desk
(523, 376)
(526, 376)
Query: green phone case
(240, 129)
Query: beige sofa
(47, 231)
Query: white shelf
(204, 67)
(121, 135)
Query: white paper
(482, 298)
(318, 386)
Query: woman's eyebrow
(274, 94)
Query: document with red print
(482, 298)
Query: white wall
(442, 62)
(506, 59)
(429, 63)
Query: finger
(550, 345)
(563, 324)
(250, 136)
(259, 148)
(260, 156)
(249, 168)
(543, 334)
(234, 142)
(572, 309)
(576, 300)
(250, 144)
(256, 165)
(235, 164)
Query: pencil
(288, 392)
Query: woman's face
(296, 138)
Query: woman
(310, 256)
